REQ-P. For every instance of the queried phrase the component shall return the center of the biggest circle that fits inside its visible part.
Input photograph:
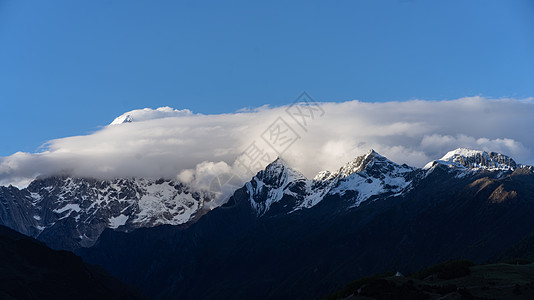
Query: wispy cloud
(192, 147)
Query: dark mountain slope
(30, 270)
(524, 248)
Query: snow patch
(115, 222)
(461, 152)
(68, 207)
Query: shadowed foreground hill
(449, 280)
(30, 270)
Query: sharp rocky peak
(278, 162)
(279, 169)
(370, 160)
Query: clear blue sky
(67, 67)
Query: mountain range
(283, 235)
(68, 213)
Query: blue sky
(68, 67)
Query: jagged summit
(271, 184)
(359, 163)
(69, 212)
(371, 162)
(464, 158)
(364, 177)
(323, 175)
(278, 171)
(277, 162)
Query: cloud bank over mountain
(193, 148)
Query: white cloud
(436, 142)
(194, 148)
(204, 173)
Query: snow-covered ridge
(360, 163)
(461, 152)
(463, 158)
(93, 205)
(365, 178)
(368, 175)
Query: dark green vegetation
(31, 270)
(447, 270)
(450, 280)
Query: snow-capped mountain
(366, 176)
(122, 119)
(463, 158)
(70, 212)
(371, 176)
(274, 183)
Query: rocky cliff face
(68, 213)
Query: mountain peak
(373, 152)
(122, 119)
(277, 161)
(278, 168)
(362, 162)
(475, 159)
(271, 184)
(356, 165)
